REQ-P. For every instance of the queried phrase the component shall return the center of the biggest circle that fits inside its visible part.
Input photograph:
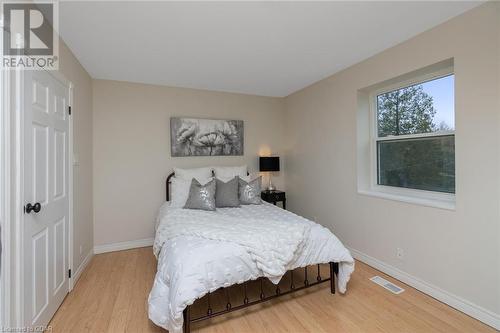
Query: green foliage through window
(424, 163)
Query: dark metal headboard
(169, 181)
(167, 185)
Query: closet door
(46, 218)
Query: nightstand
(274, 197)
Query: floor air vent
(387, 285)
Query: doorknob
(35, 208)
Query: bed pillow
(198, 173)
(201, 196)
(227, 173)
(249, 192)
(179, 190)
(250, 177)
(226, 193)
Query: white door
(46, 218)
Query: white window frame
(423, 197)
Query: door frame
(12, 197)
(5, 201)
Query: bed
(198, 256)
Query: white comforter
(199, 252)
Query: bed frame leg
(332, 276)
(187, 319)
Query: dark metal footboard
(262, 297)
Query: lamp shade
(271, 163)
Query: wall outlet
(81, 249)
(400, 253)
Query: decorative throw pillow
(180, 190)
(250, 191)
(226, 193)
(201, 196)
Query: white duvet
(199, 252)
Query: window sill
(436, 200)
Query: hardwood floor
(111, 296)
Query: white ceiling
(261, 48)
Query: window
(413, 138)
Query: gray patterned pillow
(250, 192)
(201, 196)
(226, 194)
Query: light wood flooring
(111, 296)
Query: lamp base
(270, 187)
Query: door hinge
(69, 110)
(69, 273)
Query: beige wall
(82, 136)
(132, 147)
(457, 251)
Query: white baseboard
(120, 246)
(78, 272)
(82, 267)
(486, 316)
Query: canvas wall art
(206, 137)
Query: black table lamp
(269, 164)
